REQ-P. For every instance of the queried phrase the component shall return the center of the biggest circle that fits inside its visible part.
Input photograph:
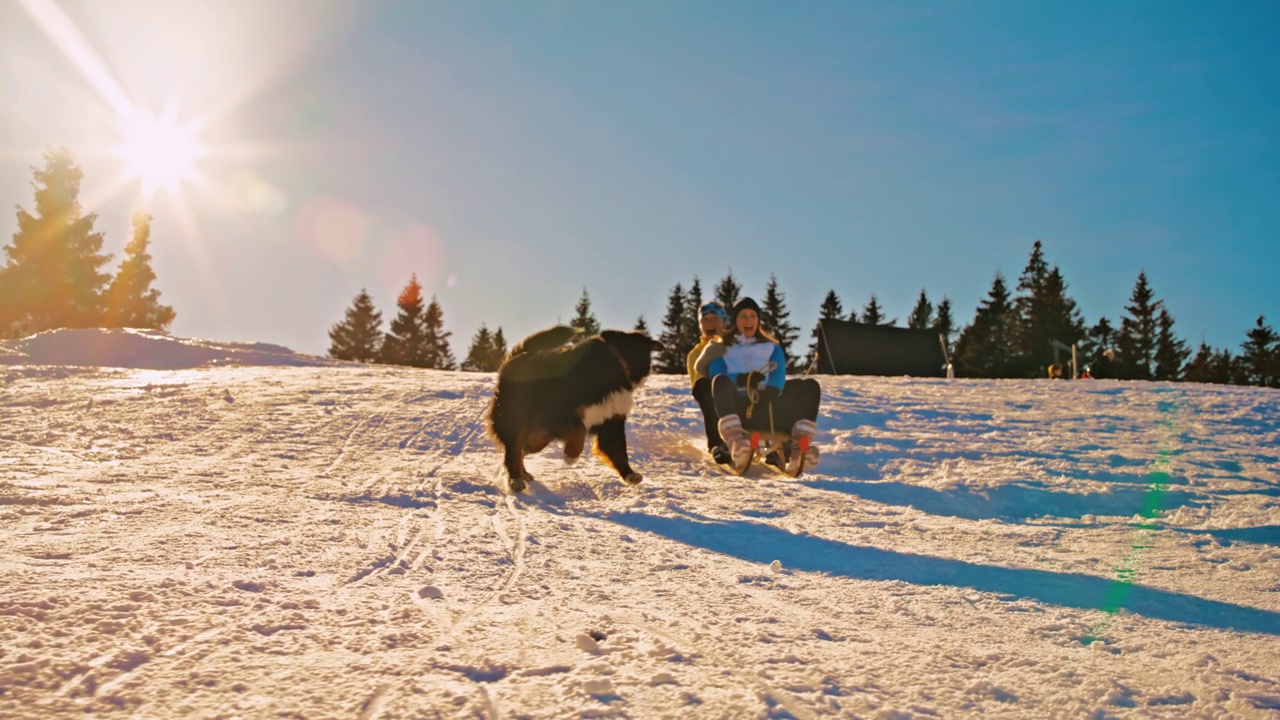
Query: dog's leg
(513, 458)
(574, 441)
(611, 442)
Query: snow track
(334, 542)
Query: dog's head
(636, 349)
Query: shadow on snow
(1012, 503)
(763, 544)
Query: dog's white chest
(616, 403)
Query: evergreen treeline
(1015, 332)
(53, 277)
(416, 336)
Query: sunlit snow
(203, 529)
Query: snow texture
(217, 530)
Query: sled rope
(753, 391)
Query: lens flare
(333, 227)
(415, 248)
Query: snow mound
(144, 349)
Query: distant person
(713, 321)
(1104, 367)
(1055, 372)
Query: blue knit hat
(714, 308)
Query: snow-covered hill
(223, 530)
(147, 349)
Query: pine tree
(692, 331)
(479, 351)
(643, 327)
(480, 354)
(53, 276)
(1210, 366)
(831, 309)
(983, 347)
(130, 300)
(777, 320)
(1138, 330)
(1099, 337)
(1045, 315)
(873, 314)
(437, 353)
(487, 351)
(585, 320)
(674, 330)
(1061, 320)
(359, 335)
(1028, 304)
(1171, 352)
(1227, 367)
(1197, 369)
(728, 291)
(404, 343)
(499, 349)
(921, 315)
(945, 324)
(1260, 356)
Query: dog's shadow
(588, 479)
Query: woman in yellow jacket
(713, 319)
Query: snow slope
(219, 530)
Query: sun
(160, 151)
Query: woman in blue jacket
(749, 379)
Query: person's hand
(713, 351)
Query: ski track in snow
(334, 541)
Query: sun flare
(160, 151)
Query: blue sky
(513, 154)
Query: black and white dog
(567, 393)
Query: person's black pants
(799, 401)
(710, 418)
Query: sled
(735, 470)
(764, 443)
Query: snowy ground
(236, 531)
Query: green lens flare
(1152, 503)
